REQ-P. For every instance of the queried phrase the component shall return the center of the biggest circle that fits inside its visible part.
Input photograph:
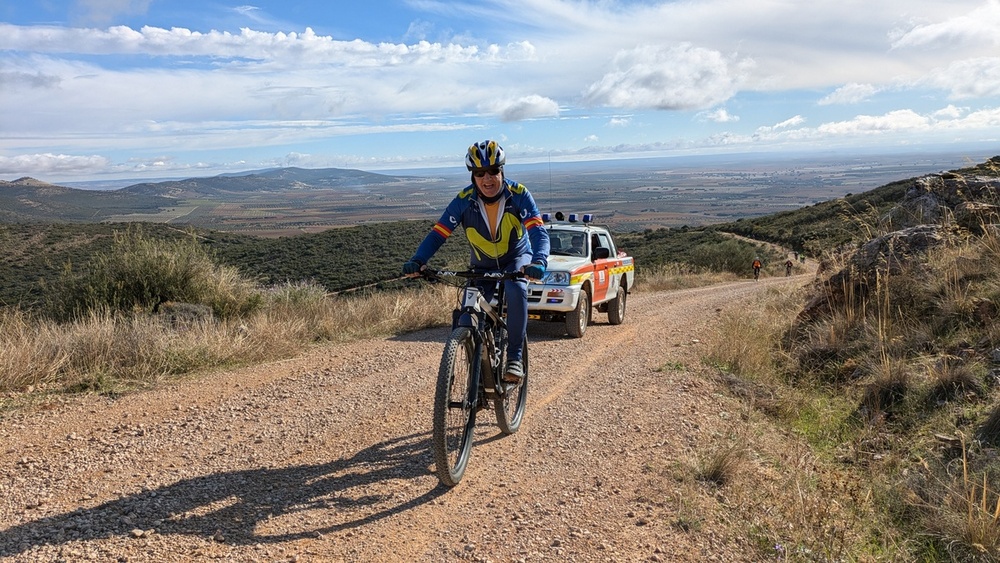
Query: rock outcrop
(937, 209)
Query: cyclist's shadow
(236, 503)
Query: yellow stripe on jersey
(442, 230)
(533, 222)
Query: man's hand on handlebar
(534, 271)
(412, 268)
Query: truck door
(604, 261)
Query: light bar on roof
(573, 217)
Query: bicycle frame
(469, 375)
(478, 314)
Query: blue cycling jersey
(520, 233)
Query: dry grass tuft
(952, 378)
(723, 465)
(891, 382)
(961, 509)
(989, 431)
(673, 276)
(28, 357)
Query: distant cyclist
(788, 268)
(505, 232)
(756, 268)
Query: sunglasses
(492, 171)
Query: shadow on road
(244, 506)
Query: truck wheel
(616, 308)
(577, 319)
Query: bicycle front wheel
(509, 407)
(454, 415)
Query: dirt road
(326, 457)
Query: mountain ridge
(28, 199)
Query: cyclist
(756, 268)
(505, 232)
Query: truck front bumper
(552, 298)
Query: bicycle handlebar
(470, 275)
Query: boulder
(884, 255)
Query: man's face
(489, 180)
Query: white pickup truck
(586, 270)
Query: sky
(100, 89)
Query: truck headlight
(556, 278)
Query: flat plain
(627, 194)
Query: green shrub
(139, 273)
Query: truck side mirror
(602, 253)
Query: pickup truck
(586, 271)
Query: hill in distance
(628, 195)
(279, 180)
(271, 202)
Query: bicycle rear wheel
(509, 407)
(454, 416)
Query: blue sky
(100, 89)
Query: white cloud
(668, 78)
(418, 30)
(306, 48)
(791, 122)
(590, 139)
(904, 125)
(852, 93)
(980, 120)
(950, 112)
(979, 26)
(54, 164)
(619, 122)
(719, 116)
(894, 121)
(967, 79)
(526, 107)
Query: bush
(140, 273)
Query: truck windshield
(567, 243)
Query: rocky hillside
(936, 210)
(897, 351)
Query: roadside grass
(99, 332)
(793, 495)
(672, 276)
(106, 352)
(892, 396)
(146, 311)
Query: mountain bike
(470, 377)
